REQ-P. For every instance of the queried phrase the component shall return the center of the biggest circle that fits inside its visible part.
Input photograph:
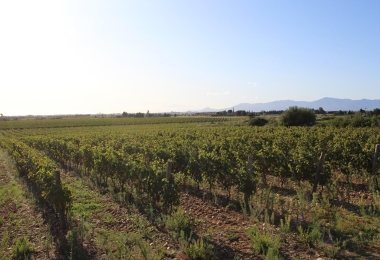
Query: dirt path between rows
(228, 227)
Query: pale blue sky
(59, 57)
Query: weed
(141, 224)
(324, 210)
(285, 224)
(215, 198)
(103, 239)
(338, 221)
(303, 202)
(107, 217)
(333, 250)
(4, 242)
(311, 237)
(266, 217)
(272, 254)
(74, 241)
(47, 245)
(234, 205)
(232, 235)
(149, 210)
(362, 207)
(122, 251)
(22, 249)
(282, 202)
(178, 222)
(374, 208)
(262, 243)
(143, 247)
(197, 249)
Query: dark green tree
(241, 113)
(258, 121)
(298, 116)
(321, 111)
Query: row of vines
(136, 158)
(38, 169)
(107, 121)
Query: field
(187, 188)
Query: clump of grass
(47, 245)
(264, 242)
(141, 249)
(232, 235)
(311, 236)
(285, 224)
(178, 222)
(334, 249)
(22, 249)
(196, 249)
(234, 205)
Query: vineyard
(199, 188)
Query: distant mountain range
(328, 104)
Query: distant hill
(328, 104)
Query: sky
(80, 57)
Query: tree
(376, 111)
(258, 121)
(241, 113)
(139, 114)
(321, 111)
(221, 113)
(298, 116)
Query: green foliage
(197, 249)
(258, 121)
(272, 254)
(133, 161)
(22, 249)
(298, 116)
(178, 222)
(357, 120)
(87, 121)
(170, 193)
(263, 243)
(285, 224)
(38, 169)
(311, 236)
(232, 235)
(334, 249)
